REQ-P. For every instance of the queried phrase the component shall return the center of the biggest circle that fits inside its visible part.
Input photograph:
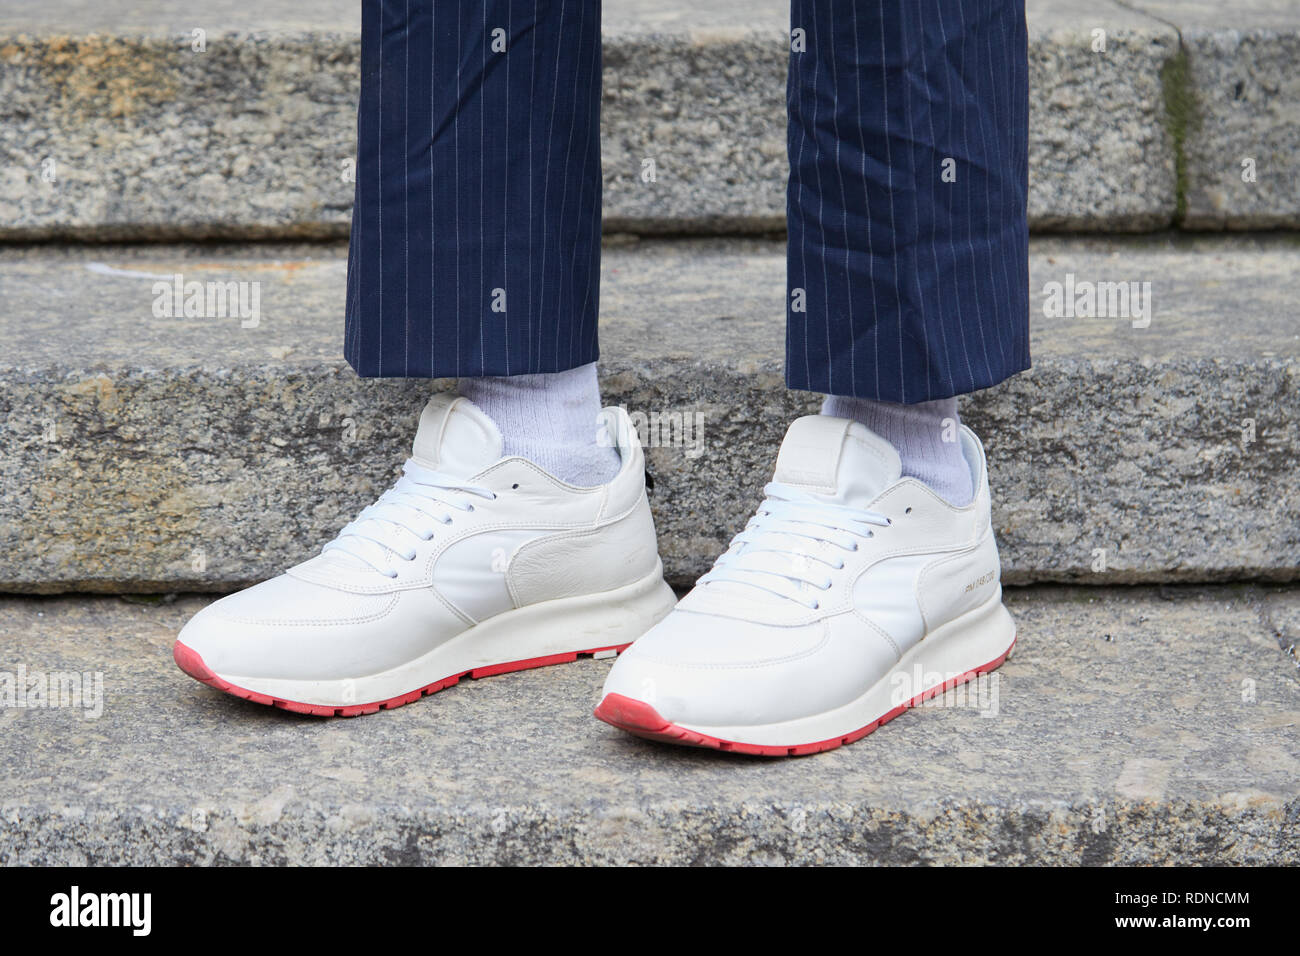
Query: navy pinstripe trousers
(475, 245)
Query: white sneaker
(851, 595)
(472, 564)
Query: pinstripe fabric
(475, 244)
(478, 185)
(912, 288)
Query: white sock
(917, 431)
(552, 419)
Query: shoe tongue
(837, 460)
(455, 437)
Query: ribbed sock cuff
(552, 419)
(925, 434)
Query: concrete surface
(142, 453)
(112, 126)
(1132, 726)
(1242, 140)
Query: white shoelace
(786, 515)
(422, 500)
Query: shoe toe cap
(281, 627)
(710, 671)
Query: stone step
(166, 454)
(1132, 726)
(113, 125)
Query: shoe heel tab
(616, 430)
(628, 486)
(972, 450)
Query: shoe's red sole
(638, 717)
(188, 660)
